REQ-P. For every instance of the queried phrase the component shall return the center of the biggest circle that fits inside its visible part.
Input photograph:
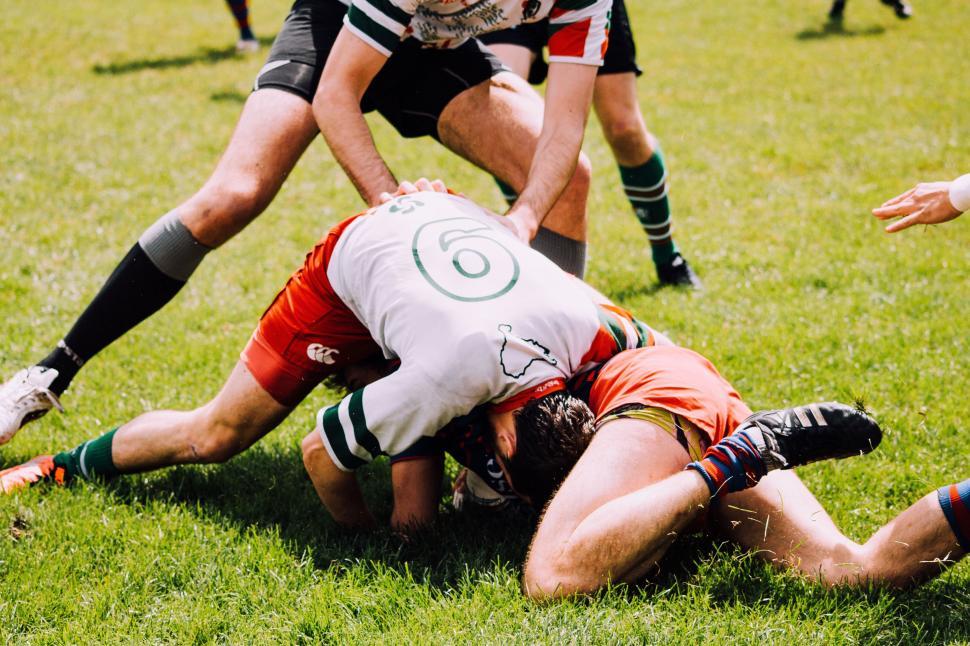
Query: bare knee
(224, 207)
(581, 179)
(311, 445)
(215, 440)
(629, 139)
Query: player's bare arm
(615, 514)
(351, 67)
(568, 95)
(338, 490)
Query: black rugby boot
(804, 434)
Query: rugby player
(416, 62)
(901, 8)
(429, 280)
(637, 152)
(926, 203)
(247, 42)
(657, 467)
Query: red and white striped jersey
(578, 29)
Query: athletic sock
(508, 193)
(90, 460)
(135, 290)
(955, 501)
(568, 254)
(240, 11)
(733, 464)
(646, 188)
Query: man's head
(538, 444)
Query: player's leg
(901, 8)
(519, 48)
(837, 10)
(782, 522)
(273, 131)
(518, 58)
(637, 152)
(496, 126)
(239, 415)
(240, 12)
(618, 538)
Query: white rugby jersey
(473, 314)
(578, 29)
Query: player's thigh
(495, 125)
(242, 412)
(273, 131)
(625, 455)
(515, 57)
(782, 522)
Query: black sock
(134, 291)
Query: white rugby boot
(24, 398)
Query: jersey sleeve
(380, 23)
(388, 416)
(579, 31)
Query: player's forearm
(343, 126)
(338, 490)
(618, 541)
(568, 97)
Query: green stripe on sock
(90, 460)
(652, 211)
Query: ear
(503, 430)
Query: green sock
(90, 460)
(507, 191)
(646, 188)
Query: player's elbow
(311, 446)
(550, 581)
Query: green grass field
(780, 136)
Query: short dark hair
(551, 433)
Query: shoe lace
(28, 393)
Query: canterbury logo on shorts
(321, 353)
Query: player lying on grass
(431, 280)
(629, 496)
(417, 63)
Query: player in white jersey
(431, 280)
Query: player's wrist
(960, 193)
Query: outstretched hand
(927, 203)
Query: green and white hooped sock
(646, 188)
(90, 460)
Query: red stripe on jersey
(524, 397)
(570, 40)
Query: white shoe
(24, 398)
(247, 46)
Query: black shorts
(410, 91)
(621, 55)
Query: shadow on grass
(267, 491)
(207, 56)
(835, 29)
(229, 96)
